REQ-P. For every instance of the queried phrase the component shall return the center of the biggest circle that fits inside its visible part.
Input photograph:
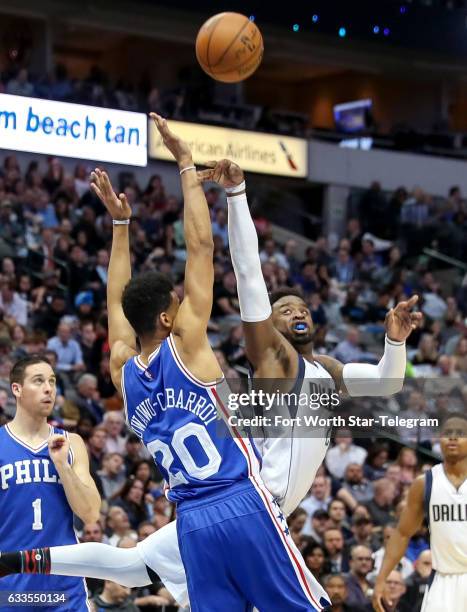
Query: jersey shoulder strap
(427, 494)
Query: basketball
(229, 47)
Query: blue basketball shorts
(238, 553)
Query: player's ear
(165, 320)
(16, 389)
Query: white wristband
(186, 169)
(231, 191)
(121, 221)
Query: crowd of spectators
(191, 99)
(55, 239)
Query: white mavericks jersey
(446, 507)
(291, 458)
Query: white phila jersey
(446, 508)
(292, 457)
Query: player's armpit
(263, 340)
(198, 358)
(119, 355)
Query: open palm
(117, 207)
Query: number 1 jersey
(34, 512)
(181, 420)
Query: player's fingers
(156, 118)
(412, 301)
(56, 440)
(107, 185)
(204, 175)
(97, 191)
(378, 604)
(161, 124)
(123, 199)
(210, 164)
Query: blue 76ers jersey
(34, 512)
(175, 416)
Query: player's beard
(297, 340)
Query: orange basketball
(229, 47)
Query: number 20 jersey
(34, 512)
(176, 416)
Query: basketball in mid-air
(229, 47)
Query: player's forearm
(83, 499)
(394, 552)
(118, 276)
(243, 243)
(119, 273)
(380, 380)
(196, 219)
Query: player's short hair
(143, 300)
(281, 292)
(452, 415)
(19, 368)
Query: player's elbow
(91, 514)
(391, 386)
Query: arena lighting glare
(376, 30)
(403, 10)
(387, 31)
(252, 17)
(342, 32)
(295, 27)
(315, 18)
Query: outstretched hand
(225, 173)
(178, 147)
(117, 207)
(401, 320)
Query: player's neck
(29, 427)
(305, 350)
(457, 469)
(149, 345)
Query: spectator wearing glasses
(358, 587)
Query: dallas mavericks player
(44, 477)
(279, 346)
(441, 496)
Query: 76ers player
(44, 478)
(441, 496)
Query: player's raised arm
(260, 333)
(195, 310)
(79, 487)
(122, 338)
(409, 523)
(386, 377)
